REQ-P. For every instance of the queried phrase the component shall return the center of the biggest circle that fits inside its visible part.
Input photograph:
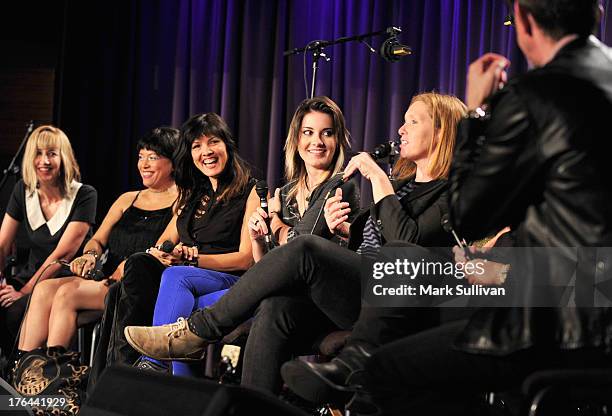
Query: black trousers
(301, 291)
(283, 327)
(130, 302)
(424, 375)
(307, 266)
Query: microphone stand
(13, 167)
(316, 47)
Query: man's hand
(486, 75)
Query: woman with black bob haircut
(207, 241)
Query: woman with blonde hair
(313, 267)
(56, 212)
(132, 224)
(315, 153)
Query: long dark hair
(189, 179)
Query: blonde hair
(295, 169)
(446, 111)
(45, 137)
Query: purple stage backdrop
(133, 65)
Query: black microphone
(93, 274)
(261, 187)
(168, 246)
(385, 149)
(446, 225)
(391, 50)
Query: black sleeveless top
(136, 231)
(214, 227)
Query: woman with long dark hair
(411, 210)
(315, 151)
(209, 232)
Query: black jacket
(541, 164)
(416, 218)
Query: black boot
(328, 382)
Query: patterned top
(372, 236)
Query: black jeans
(423, 374)
(283, 327)
(130, 302)
(309, 265)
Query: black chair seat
(88, 317)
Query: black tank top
(136, 231)
(217, 229)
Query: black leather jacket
(540, 162)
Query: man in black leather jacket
(533, 155)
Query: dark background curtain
(128, 66)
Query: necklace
(202, 207)
(153, 191)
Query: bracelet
(93, 253)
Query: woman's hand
(83, 264)
(369, 169)
(189, 253)
(178, 255)
(363, 163)
(257, 224)
(336, 214)
(8, 295)
(167, 259)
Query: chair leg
(94, 343)
(81, 342)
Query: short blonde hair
(446, 111)
(45, 137)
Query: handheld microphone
(446, 225)
(93, 274)
(261, 187)
(168, 246)
(385, 149)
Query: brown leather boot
(167, 342)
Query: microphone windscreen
(167, 246)
(381, 151)
(261, 187)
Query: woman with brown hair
(327, 274)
